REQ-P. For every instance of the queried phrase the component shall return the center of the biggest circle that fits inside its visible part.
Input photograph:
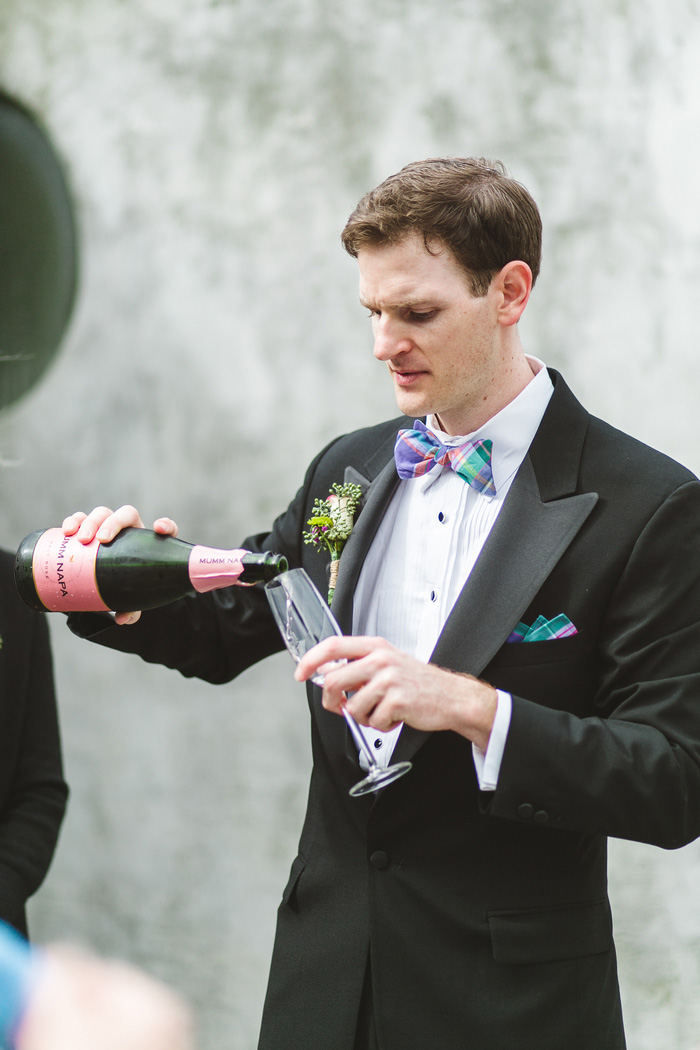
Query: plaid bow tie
(417, 451)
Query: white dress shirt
(428, 543)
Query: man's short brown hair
(471, 205)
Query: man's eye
(422, 315)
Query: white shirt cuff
(488, 763)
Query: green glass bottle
(139, 569)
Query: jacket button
(541, 816)
(525, 811)
(379, 859)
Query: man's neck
(517, 373)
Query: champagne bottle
(138, 569)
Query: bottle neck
(210, 568)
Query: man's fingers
(165, 526)
(105, 524)
(101, 522)
(124, 518)
(354, 674)
(72, 523)
(84, 526)
(347, 678)
(339, 647)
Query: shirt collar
(512, 429)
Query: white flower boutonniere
(331, 523)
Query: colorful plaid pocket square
(543, 630)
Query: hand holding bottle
(109, 523)
(104, 524)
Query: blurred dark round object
(38, 252)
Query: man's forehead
(405, 273)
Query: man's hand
(389, 687)
(104, 524)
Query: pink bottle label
(64, 573)
(210, 568)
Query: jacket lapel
(378, 479)
(527, 540)
(379, 486)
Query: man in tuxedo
(521, 599)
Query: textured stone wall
(215, 148)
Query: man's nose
(389, 340)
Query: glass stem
(359, 738)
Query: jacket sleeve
(631, 769)
(34, 791)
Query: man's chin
(411, 404)
(418, 404)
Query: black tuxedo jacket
(32, 790)
(485, 915)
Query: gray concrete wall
(215, 148)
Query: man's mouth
(406, 377)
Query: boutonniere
(331, 523)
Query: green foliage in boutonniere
(331, 523)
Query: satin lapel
(376, 496)
(525, 544)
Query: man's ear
(513, 284)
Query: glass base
(378, 778)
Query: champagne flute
(304, 619)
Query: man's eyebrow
(403, 304)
